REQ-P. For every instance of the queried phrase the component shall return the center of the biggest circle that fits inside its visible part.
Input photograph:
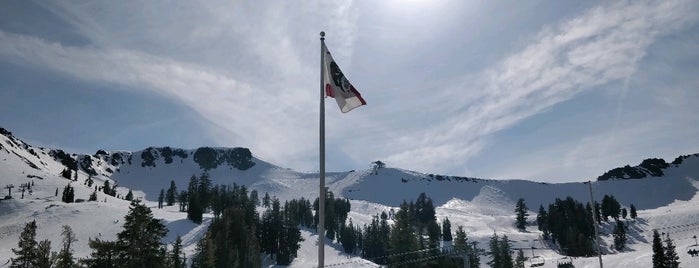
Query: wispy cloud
(245, 75)
(251, 70)
(601, 46)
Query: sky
(551, 91)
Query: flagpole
(321, 190)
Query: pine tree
(522, 214)
(65, 256)
(505, 253)
(183, 198)
(348, 238)
(171, 194)
(289, 239)
(93, 196)
(68, 194)
(129, 196)
(402, 238)
(632, 213)
(519, 261)
(43, 254)
(460, 242)
(204, 192)
(446, 230)
(624, 213)
(177, 257)
(28, 247)
(266, 200)
(671, 257)
(658, 251)
(542, 219)
(494, 245)
(104, 254)
(106, 188)
(141, 238)
(161, 198)
(619, 236)
(194, 206)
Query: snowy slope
(482, 206)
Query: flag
(337, 86)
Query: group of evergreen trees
(501, 252)
(137, 245)
(414, 236)
(237, 234)
(336, 210)
(664, 256)
(68, 195)
(570, 224)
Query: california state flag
(337, 85)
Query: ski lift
(536, 261)
(693, 250)
(566, 262)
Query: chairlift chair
(536, 261)
(566, 262)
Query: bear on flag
(337, 86)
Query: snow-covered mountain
(666, 200)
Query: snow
(481, 206)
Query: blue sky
(550, 91)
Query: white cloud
(601, 46)
(251, 69)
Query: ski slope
(481, 206)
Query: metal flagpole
(321, 190)
(594, 223)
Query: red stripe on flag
(356, 93)
(329, 90)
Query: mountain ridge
(150, 170)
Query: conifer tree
(348, 238)
(68, 194)
(658, 251)
(402, 238)
(433, 234)
(255, 199)
(446, 230)
(266, 200)
(43, 254)
(104, 254)
(505, 253)
(93, 196)
(177, 257)
(522, 214)
(624, 213)
(632, 212)
(519, 261)
(542, 221)
(171, 194)
(204, 194)
(106, 187)
(495, 252)
(129, 196)
(461, 244)
(619, 235)
(461, 241)
(183, 199)
(194, 206)
(27, 248)
(140, 240)
(289, 239)
(671, 257)
(161, 198)
(65, 256)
